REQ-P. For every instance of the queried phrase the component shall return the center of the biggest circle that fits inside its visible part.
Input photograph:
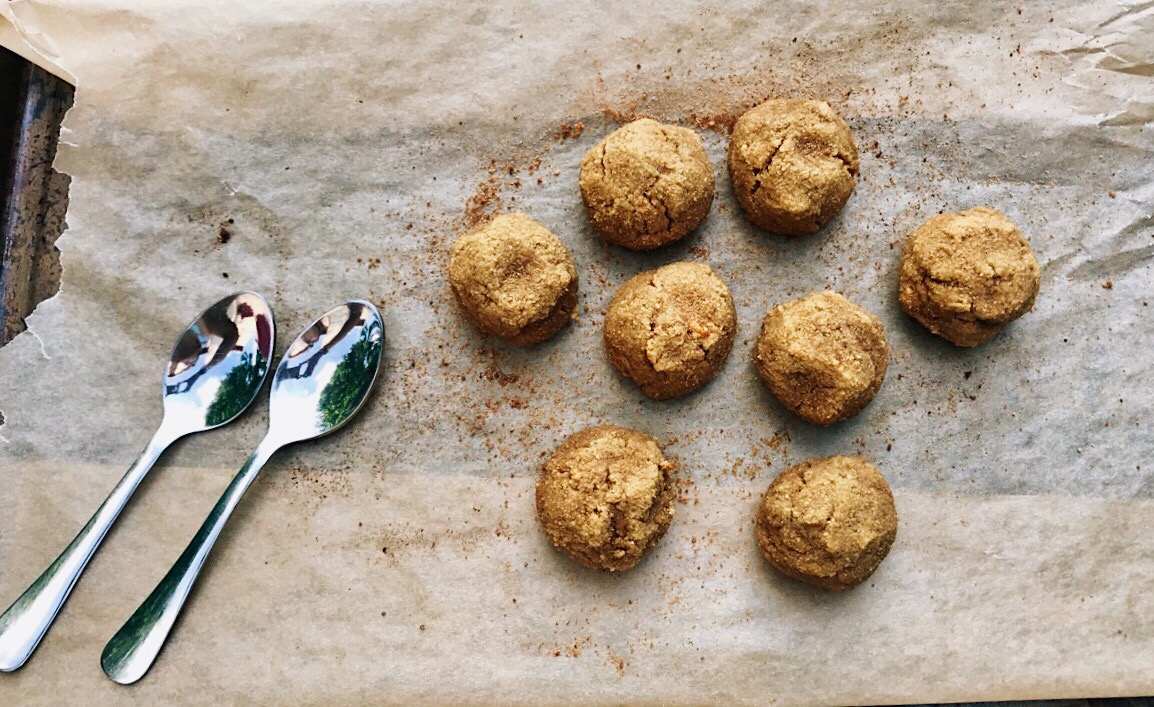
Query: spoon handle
(130, 653)
(26, 621)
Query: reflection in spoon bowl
(326, 374)
(219, 362)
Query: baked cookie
(647, 184)
(792, 163)
(605, 496)
(964, 276)
(671, 329)
(828, 522)
(514, 279)
(822, 356)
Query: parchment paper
(320, 152)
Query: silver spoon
(216, 369)
(322, 381)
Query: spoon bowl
(326, 373)
(219, 364)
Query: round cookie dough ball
(966, 275)
(822, 356)
(792, 164)
(605, 496)
(828, 522)
(647, 184)
(671, 329)
(514, 279)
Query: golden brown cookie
(605, 496)
(514, 279)
(964, 276)
(671, 329)
(822, 356)
(828, 522)
(647, 184)
(792, 163)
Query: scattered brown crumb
(569, 132)
(628, 115)
(619, 663)
(478, 204)
(1113, 195)
(720, 122)
(574, 650)
(779, 438)
(1108, 285)
(503, 379)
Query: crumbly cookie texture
(966, 275)
(828, 522)
(792, 164)
(670, 330)
(514, 279)
(647, 184)
(605, 496)
(822, 356)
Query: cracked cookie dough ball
(822, 356)
(828, 522)
(792, 164)
(964, 276)
(514, 279)
(647, 184)
(671, 329)
(605, 496)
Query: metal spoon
(216, 369)
(322, 381)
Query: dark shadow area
(34, 196)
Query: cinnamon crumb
(569, 132)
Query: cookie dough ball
(514, 279)
(792, 164)
(647, 184)
(822, 356)
(671, 329)
(605, 496)
(964, 276)
(828, 522)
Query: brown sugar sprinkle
(628, 115)
(500, 377)
(569, 132)
(479, 204)
(619, 663)
(779, 438)
(721, 122)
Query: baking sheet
(320, 153)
